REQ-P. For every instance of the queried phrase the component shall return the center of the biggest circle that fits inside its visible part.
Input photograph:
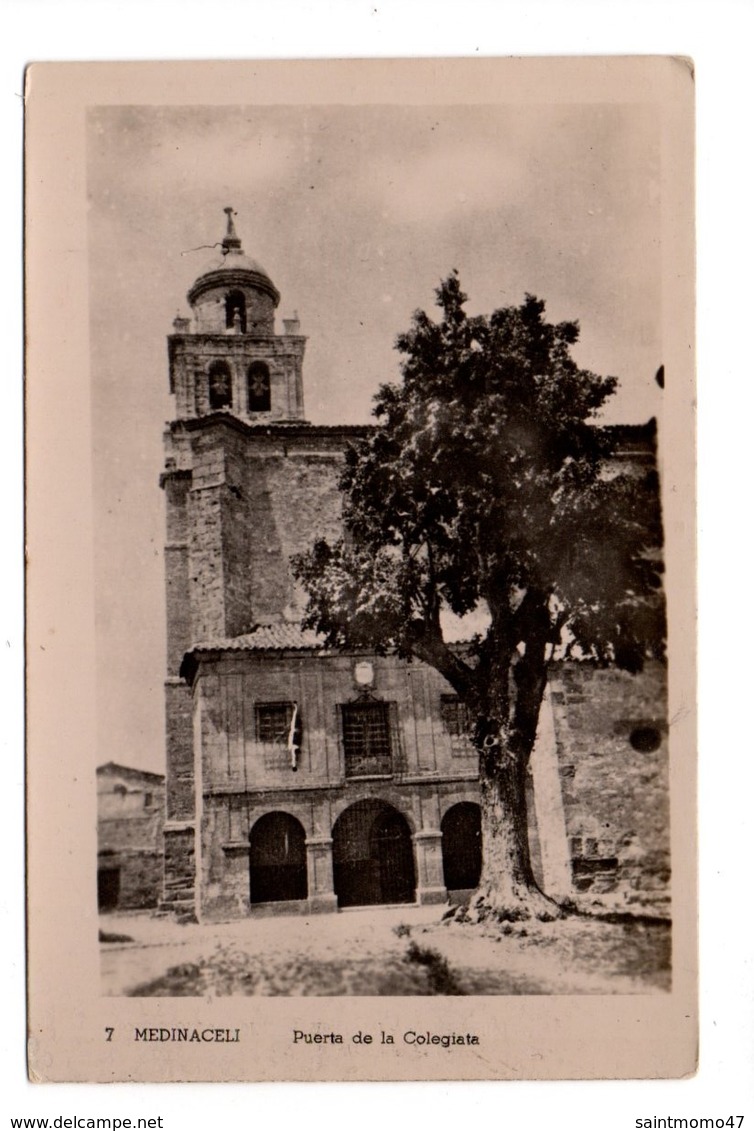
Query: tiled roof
(267, 637)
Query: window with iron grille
(455, 716)
(273, 729)
(274, 722)
(366, 738)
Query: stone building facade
(308, 780)
(130, 819)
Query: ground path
(381, 951)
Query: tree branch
(427, 644)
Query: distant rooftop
(130, 772)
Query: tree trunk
(507, 888)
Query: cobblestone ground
(381, 951)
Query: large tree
(488, 487)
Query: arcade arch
(277, 859)
(373, 857)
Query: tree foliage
(488, 484)
(484, 481)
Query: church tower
(248, 482)
(236, 383)
(227, 357)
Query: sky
(356, 213)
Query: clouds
(356, 212)
(443, 184)
(190, 153)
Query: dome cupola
(234, 294)
(227, 357)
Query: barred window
(366, 738)
(455, 716)
(280, 747)
(274, 722)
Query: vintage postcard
(361, 639)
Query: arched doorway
(461, 829)
(373, 858)
(277, 859)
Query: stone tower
(248, 482)
(227, 356)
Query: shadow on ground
(387, 952)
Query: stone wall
(229, 817)
(180, 868)
(207, 596)
(611, 736)
(177, 601)
(130, 816)
(139, 882)
(179, 751)
(240, 503)
(231, 686)
(209, 310)
(245, 778)
(611, 813)
(191, 356)
(292, 498)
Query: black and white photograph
(392, 631)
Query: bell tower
(227, 357)
(248, 483)
(236, 383)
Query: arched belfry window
(220, 395)
(259, 387)
(235, 311)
